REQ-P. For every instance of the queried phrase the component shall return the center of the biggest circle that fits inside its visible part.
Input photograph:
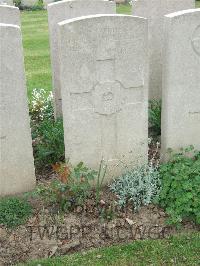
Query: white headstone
(58, 12)
(104, 80)
(6, 2)
(181, 81)
(9, 15)
(29, 3)
(16, 155)
(155, 10)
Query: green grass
(179, 250)
(124, 9)
(198, 4)
(36, 50)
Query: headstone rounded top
(9, 15)
(155, 11)
(98, 16)
(195, 36)
(70, 2)
(183, 12)
(6, 25)
(2, 5)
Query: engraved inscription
(194, 116)
(194, 113)
(106, 49)
(107, 98)
(196, 40)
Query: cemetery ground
(72, 211)
(181, 250)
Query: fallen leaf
(53, 251)
(129, 221)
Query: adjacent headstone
(29, 3)
(181, 81)
(58, 12)
(16, 155)
(6, 2)
(9, 15)
(155, 10)
(104, 80)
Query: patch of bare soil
(47, 234)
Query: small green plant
(17, 3)
(71, 189)
(37, 6)
(180, 193)
(14, 211)
(107, 213)
(137, 187)
(155, 116)
(47, 134)
(48, 143)
(99, 181)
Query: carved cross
(196, 40)
(107, 99)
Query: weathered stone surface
(155, 10)
(9, 15)
(58, 12)
(29, 3)
(181, 81)
(104, 80)
(6, 2)
(16, 156)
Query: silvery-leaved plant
(138, 186)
